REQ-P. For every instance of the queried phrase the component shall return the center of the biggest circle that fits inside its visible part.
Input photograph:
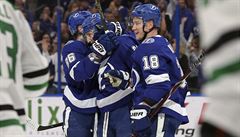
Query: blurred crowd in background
(42, 17)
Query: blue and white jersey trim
(152, 79)
(113, 98)
(71, 73)
(82, 104)
(174, 109)
(136, 78)
(170, 104)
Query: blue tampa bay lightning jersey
(155, 70)
(82, 82)
(111, 98)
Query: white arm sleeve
(34, 65)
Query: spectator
(73, 6)
(36, 31)
(54, 59)
(183, 59)
(194, 52)
(109, 15)
(45, 48)
(46, 24)
(65, 32)
(64, 4)
(190, 22)
(44, 44)
(84, 5)
(165, 20)
(93, 8)
(119, 11)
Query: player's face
(89, 36)
(137, 28)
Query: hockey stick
(105, 27)
(33, 125)
(98, 6)
(175, 87)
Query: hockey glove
(118, 78)
(104, 45)
(112, 26)
(99, 31)
(113, 38)
(141, 123)
(116, 28)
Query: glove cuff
(118, 28)
(140, 111)
(99, 48)
(142, 105)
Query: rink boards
(48, 110)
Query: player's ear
(149, 25)
(80, 29)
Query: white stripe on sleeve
(71, 73)
(152, 79)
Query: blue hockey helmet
(94, 23)
(91, 23)
(75, 19)
(148, 12)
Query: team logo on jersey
(148, 41)
(76, 15)
(154, 7)
(134, 47)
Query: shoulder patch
(149, 40)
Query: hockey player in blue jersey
(155, 70)
(114, 104)
(81, 65)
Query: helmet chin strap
(145, 33)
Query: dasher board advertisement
(48, 111)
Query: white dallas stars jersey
(220, 33)
(23, 70)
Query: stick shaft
(41, 128)
(33, 125)
(98, 5)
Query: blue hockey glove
(104, 45)
(99, 31)
(115, 27)
(113, 38)
(141, 123)
(118, 78)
